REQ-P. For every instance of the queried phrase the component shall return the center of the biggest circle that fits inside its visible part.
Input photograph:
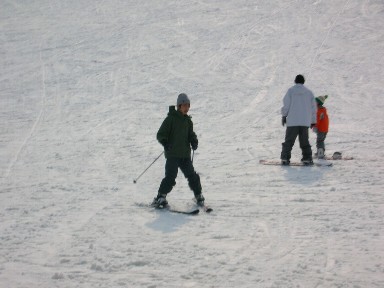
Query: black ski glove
(284, 120)
(194, 144)
(166, 145)
(313, 125)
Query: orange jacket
(322, 119)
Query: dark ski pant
(171, 169)
(320, 140)
(290, 138)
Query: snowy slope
(85, 85)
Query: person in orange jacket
(321, 127)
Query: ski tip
(185, 212)
(195, 212)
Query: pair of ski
(194, 211)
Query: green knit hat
(321, 99)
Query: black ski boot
(200, 200)
(160, 201)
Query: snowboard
(337, 156)
(278, 163)
(337, 159)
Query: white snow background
(84, 87)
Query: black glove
(284, 120)
(194, 144)
(313, 125)
(167, 146)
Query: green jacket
(177, 131)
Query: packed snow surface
(84, 87)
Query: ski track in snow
(84, 88)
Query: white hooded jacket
(299, 106)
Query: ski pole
(135, 180)
(193, 154)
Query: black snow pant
(171, 169)
(290, 138)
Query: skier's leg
(189, 172)
(290, 138)
(304, 143)
(171, 169)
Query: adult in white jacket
(298, 113)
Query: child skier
(321, 127)
(177, 137)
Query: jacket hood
(172, 108)
(173, 112)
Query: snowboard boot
(200, 199)
(285, 162)
(336, 156)
(160, 201)
(307, 161)
(320, 153)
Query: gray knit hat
(182, 99)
